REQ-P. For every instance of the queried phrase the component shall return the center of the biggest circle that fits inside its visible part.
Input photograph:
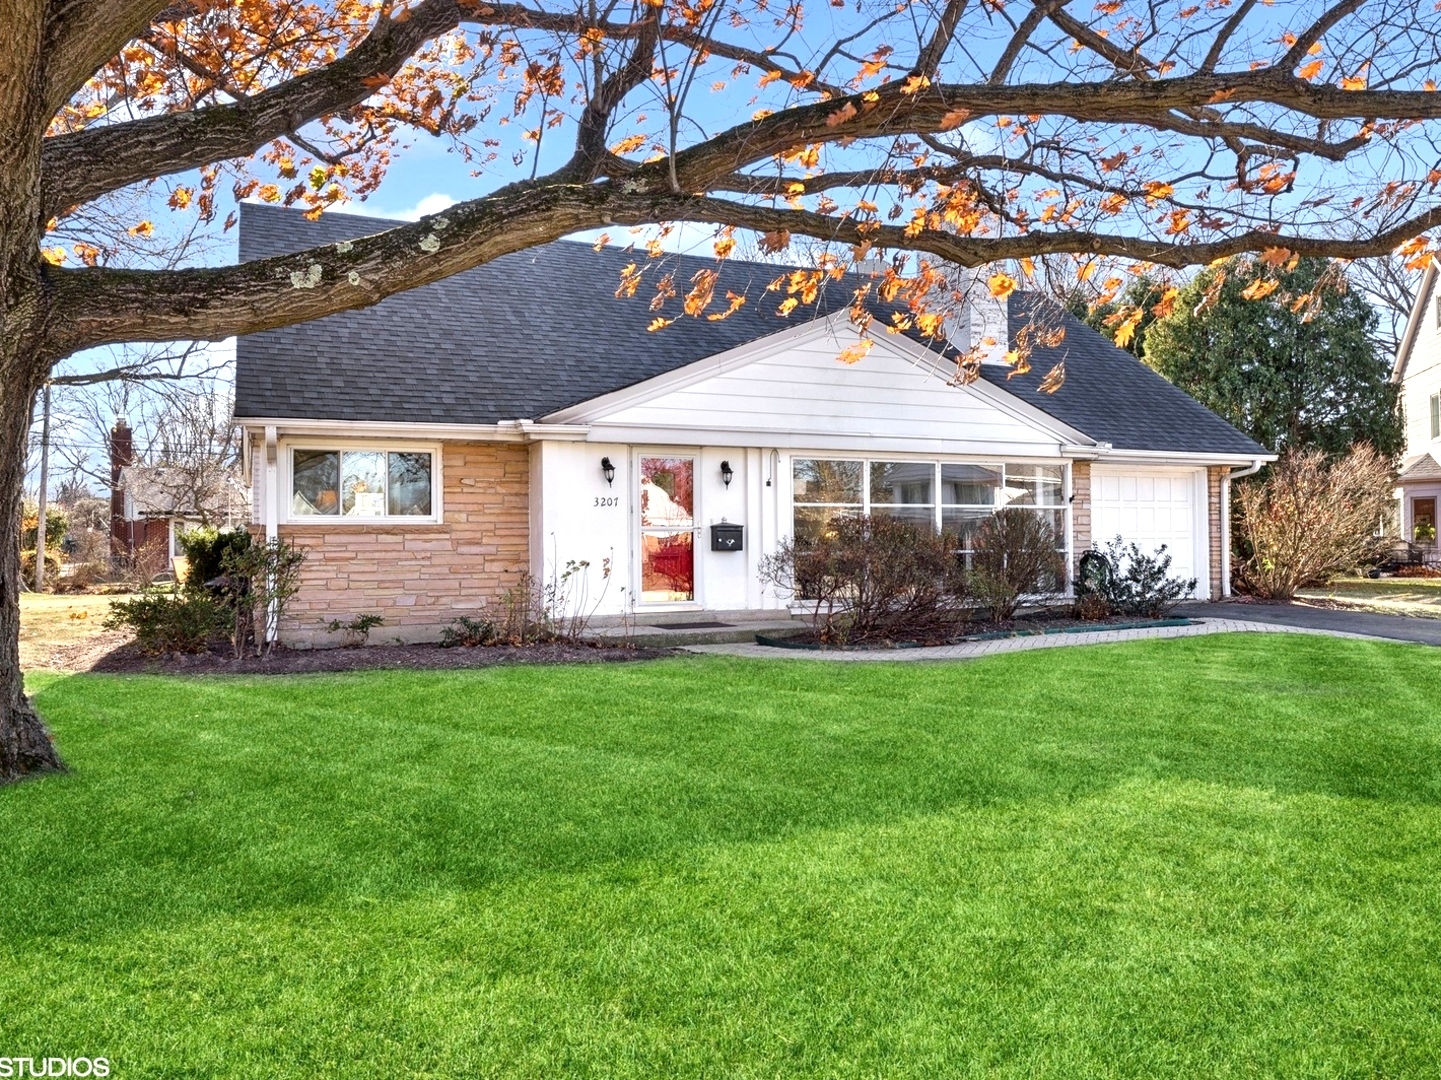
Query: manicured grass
(1207, 857)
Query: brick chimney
(122, 453)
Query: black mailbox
(727, 537)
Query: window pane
(817, 481)
(315, 482)
(812, 521)
(667, 569)
(408, 489)
(963, 525)
(902, 483)
(362, 483)
(970, 485)
(921, 515)
(1032, 485)
(667, 492)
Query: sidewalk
(973, 649)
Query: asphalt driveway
(1398, 627)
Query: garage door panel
(1149, 508)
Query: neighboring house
(150, 505)
(431, 449)
(1418, 371)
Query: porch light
(608, 470)
(726, 474)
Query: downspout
(1235, 474)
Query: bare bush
(1015, 555)
(1312, 518)
(873, 579)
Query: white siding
(803, 396)
(1423, 378)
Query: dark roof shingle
(537, 331)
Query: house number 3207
(607, 500)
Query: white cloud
(433, 203)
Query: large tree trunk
(25, 745)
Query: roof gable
(789, 389)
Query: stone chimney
(122, 453)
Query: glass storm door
(667, 529)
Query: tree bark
(25, 746)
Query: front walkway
(972, 649)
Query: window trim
(1068, 525)
(1435, 407)
(285, 480)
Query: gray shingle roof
(1424, 467)
(534, 332)
(1108, 393)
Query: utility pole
(44, 493)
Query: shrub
(1015, 554)
(358, 629)
(873, 578)
(1092, 607)
(57, 524)
(262, 579)
(27, 565)
(1418, 571)
(205, 549)
(84, 576)
(1135, 583)
(168, 620)
(469, 632)
(1312, 518)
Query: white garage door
(1153, 507)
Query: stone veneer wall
(1080, 510)
(1215, 477)
(420, 577)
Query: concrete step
(672, 634)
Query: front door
(1423, 520)
(667, 530)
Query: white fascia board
(506, 431)
(1165, 457)
(994, 395)
(706, 368)
(854, 443)
(1413, 324)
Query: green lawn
(1216, 856)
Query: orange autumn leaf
(1054, 379)
(954, 119)
(854, 354)
(659, 324)
(1260, 289)
(1001, 285)
(841, 115)
(1311, 70)
(1275, 256)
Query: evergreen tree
(1288, 372)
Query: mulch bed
(129, 660)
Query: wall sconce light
(726, 474)
(608, 470)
